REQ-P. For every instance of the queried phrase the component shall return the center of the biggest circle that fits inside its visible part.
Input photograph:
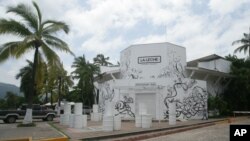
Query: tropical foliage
(245, 43)
(84, 72)
(36, 34)
(101, 60)
(238, 93)
(11, 101)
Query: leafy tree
(13, 101)
(237, 95)
(84, 72)
(64, 83)
(37, 35)
(3, 104)
(25, 74)
(101, 60)
(245, 43)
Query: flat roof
(204, 59)
(151, 44)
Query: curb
(138, 133)
(55, 139)
(20, 139)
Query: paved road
(41, 131)
(219, 132)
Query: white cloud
(93, 22)
(97, 44)
(226, 7)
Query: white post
(172, 113)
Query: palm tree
(245, 41)
(84, 72)
(25, 74)
(36, 35)
(64, 82)
(101, 60)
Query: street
(219, 132)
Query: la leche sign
(149, 59)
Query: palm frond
(26, 46)
(57, 43)
(50, 27)
(9, 50)
(26, 13)
(38, 13)
(242, 48)
(13, 27)
(51, 57)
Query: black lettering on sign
(239, 132)
(149, 59)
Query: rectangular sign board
(149, 59)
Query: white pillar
(78, 121)
(138, 121)
(61, 119)
(95, 108)
(146, 121)
(117, 123)
(109, 109)
(108, 123)
(78, 109)
(71, 120)
(172, 113)
(85, 121)
(67, 108)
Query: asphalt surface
(42, 130)
(219, 132)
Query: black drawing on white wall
(192, 105)
(127, 71)
(107, 94)
(123, 106)
(195, 101)
(174, 67)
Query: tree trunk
(51, 99)
(46, 97)
(59, 96)
(59, 91)
(28, 115)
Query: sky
(203, 27)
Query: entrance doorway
(149, 100)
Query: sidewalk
(94, 129)
(42, 131)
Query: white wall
(221, 65)
(164, 79)
(170, 55)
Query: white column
(71, 120)
(117, 123)
(172, 113)
(108, 123)
(78, 109)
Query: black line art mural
(190, 106)
(123, 107)
(174, 67)
(195, 101)
(107, 94)
(127, 72)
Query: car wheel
(11, 119)
(5, 121)
(49, 118)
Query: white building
(158, 74)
